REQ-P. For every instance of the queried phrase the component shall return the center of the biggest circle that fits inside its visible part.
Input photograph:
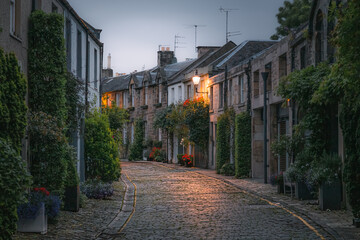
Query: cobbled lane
(182, 204)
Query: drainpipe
(225, 89)
(101, 67)
(265, 76)
(247, 72)
(87, 73)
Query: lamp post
(265, 77)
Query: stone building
(82, 42)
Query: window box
(131, 109)
(157, 105)
(144, 107)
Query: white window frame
(180, 93)
(12, 17)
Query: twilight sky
(134, 29)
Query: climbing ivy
(243, 145)
(223, 147)
(12, 100)
(47, 65)
(136, 149)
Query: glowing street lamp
(196, 80)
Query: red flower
(36, 189)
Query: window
(124, 134)
(159, 93)
(242, 90)
(95, 69)
(188, 91)
(318, 38)
(282, 65)
(172, 95)
(117, 99)
(79, 55)
(146, 95)
(54, 8)
(180, 93)
(202, 87)
(211, 98)
(132, 95)
(15, 20)
(36, 5)
(268, 82)
(302, 58)
(256, 84)
(230, 92)
(125, 99)
(68, 43)
(221, 95)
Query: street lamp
(196, 80)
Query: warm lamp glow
(196, 79)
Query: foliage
(180, 159)
(14, 179)
(72, 178)
(47, 65)
(277, 179)
(117, 117)
(97, 189)
(161, 157)
(300, 86)
(101, 161)
(157, 144)
(228, 169)
(136, 149)
(197, 119)
(74, 103)
(345, 83)
(154, 153)
(48, 148)
(12, 100)
(326, 170)
(300, 169)
(291, 16)
(243, 145)
(223, 140)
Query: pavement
(167, 201)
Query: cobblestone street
(179, 203)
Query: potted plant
(34, 214)
(326, 173)
(278, 179)
(72, 189)
(298, 172)
(188, 160)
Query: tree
(291, 16)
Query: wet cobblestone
(181, 204)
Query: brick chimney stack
(165, 57)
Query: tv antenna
(177, 42)
(195, 28)
(227, 10)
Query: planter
(72, 198)
(330, 196)
(302, 192)
(35, 225)
(356, 222)
(280, 188)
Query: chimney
(109, 62)
(165, 57)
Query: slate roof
(242, 52)
(115, 84)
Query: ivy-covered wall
(136, 149)
(243, 145)
(222, 141)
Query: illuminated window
(15, 20)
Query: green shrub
(158, 144)
(180, 159)
(48, 148)
(222, 141)
(14, 179)
(136, 149)
(228, 169)
(72, 178)
(101, 155)
(12, 100)
(243, 145)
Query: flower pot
(72, 198)
(302, 192)
(36, 225)
(280, 188)
(330, 196)
(356, 222)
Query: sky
(132, 30)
